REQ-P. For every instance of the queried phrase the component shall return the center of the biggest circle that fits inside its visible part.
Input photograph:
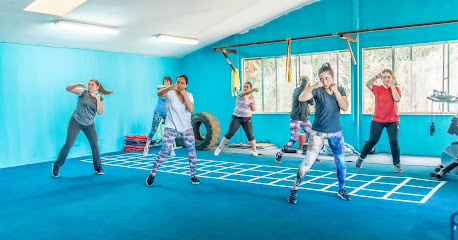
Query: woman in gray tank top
(89, 103)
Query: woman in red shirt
(386, 116)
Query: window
(269, 75)
(418, 69)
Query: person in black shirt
(299, 117)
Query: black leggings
(392, 129)
(73, 130)
(235, 125)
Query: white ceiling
(138, 20)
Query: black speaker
(304, 148)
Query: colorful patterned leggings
(156, 120)
(316, 140)
(169, 138)
(295, 126)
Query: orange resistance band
(288, 60)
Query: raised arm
(99, 104)
(160, 87)
(243, 93)
(189, 104)
(372, 80)
(307, 93)
(73, 88)
(253, 105)
(341, 100)
(394, 91)
(163, 92)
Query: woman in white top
(180, 105)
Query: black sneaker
(318, 160)
(359, 163)
(292, 197)
(194, 180)
(100, 172)
(278, 158)
(149, 180)
(344, 195)
(55, 171)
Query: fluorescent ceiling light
(54, 7)
(86, 27)
(175, 39)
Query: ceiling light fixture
(54, 7)
(86, 27)
(176, 39)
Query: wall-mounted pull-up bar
(344, 35)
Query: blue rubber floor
(240, 197)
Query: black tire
(211, 123)
(179, 141)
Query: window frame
(445, 80)
(297, 60)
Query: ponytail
(101, 90)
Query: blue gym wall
(36, 108)
(211, 73)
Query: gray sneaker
(217, 151)
(359, 162)
(398, 168)
(145, 151)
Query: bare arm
(341, 100)
(372, 80)
(189, 104)
(163, 92)
(243, 93)
(73, 88)
(394, 91)
(253, 105)
(160, 87)
(307, 93)
(99, 104)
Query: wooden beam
(351, 52)
(342, 33)
(228, 60)
(225, 50)
(349, 38)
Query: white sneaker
(217, 151)
(145, 151)
(172, 153)
(255, 154)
